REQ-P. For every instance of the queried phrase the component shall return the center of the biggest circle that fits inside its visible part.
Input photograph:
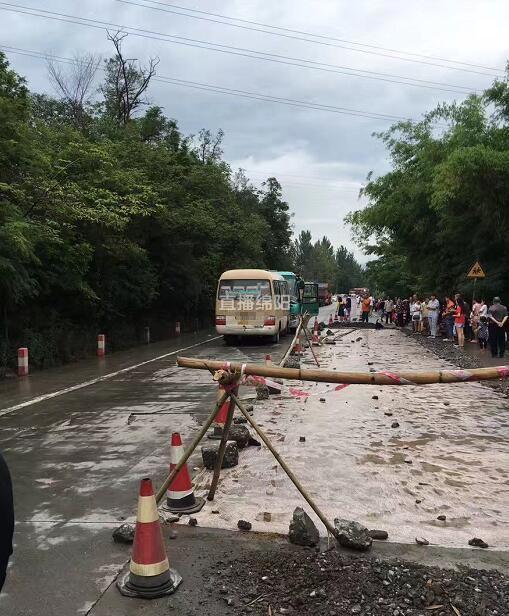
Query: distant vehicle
(252, 302)
(309, 303)
(324, 295)
(359, 291)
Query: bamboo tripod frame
(234, 401)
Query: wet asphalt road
(76, 460)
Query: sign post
(476, 271)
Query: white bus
(252, 302)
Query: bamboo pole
(343, 334)
(311, 347)
(222, 448)
(405, 377)
(292, 344)
(189, 451)
(284, 466)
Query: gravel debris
(446, 351)
(332, 583)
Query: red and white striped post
(177, 328)
(22, 361)
(101, 345)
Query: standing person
(406, 311)
(468, 329)
(483, 333)
(341, 309)
(425, 318)
(459, 320)
(6, 519)
(388, 310)
(366, 308)
(448, 316)
(483, 310)
(475, 316)
(348, 307)
(371, 303)
(416, 312)
(400, 319)
(433, 313)
(497, 316)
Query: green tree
(274, 210)
(445, 201)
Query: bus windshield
(236, 289)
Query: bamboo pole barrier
(222, 448)
(343, 334)
(189, 451)
(284, 466)
(405, 377)
(292, 344)
(311, 347)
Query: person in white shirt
(416, 310)
(433, 312)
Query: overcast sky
(321, 158)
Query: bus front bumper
(247, 330)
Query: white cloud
(329, 153)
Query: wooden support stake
(222, 448)
(311, 346)
(189, 451)
(292, 343)
(284, 466)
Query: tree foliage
(445, 202)
(118, 220)
(321, 263)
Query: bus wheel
(229, 340)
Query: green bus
(308, 303)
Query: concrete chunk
(302, 529)
(352, 535)
(230, 459)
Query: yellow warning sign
(476, 271)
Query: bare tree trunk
(75, 84)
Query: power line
(293, 175)
(229, 91)
(331, 38)
(283, 101)
(264, 174)
(266, 56)
(299, 184)
(303, 36)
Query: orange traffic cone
(221, 416)
(149, 574)
(268, 360)
(336, 318)
(330, 320)
(316, 338)
(180, 496)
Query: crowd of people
(453, 318)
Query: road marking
(105, 377)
